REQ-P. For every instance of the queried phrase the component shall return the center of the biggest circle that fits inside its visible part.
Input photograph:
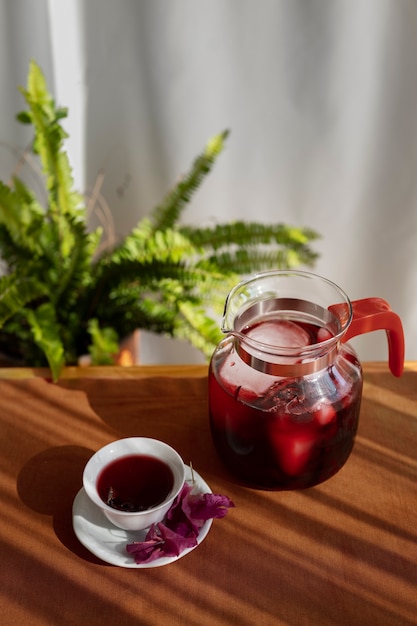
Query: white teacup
(157, 459)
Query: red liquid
(135, 483)
(285, 433)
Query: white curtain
(320, 97)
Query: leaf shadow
(48, 484)
(155, 407)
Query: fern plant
(62, 297)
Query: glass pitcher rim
(310, 349)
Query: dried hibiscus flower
(182, 524)
(160, 541)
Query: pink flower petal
(182, 524)
(208, 506)
(148, 550)
(174, 543)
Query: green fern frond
(166, 214)
(255, 259)
(20, 215)
(143, 259)
(146, 313)
(197, 327)
(151, 298)
(48, 144)
(243, 247)
(248, 233)
(162, 281)
(16, 292)
(75, 272)
(144, 244)
(46, 334)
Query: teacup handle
(371, 314)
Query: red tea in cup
(136, 482)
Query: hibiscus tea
(136, 482)
(275, 432)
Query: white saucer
(108, 542)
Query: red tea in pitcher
(284, 386)
(284, 432)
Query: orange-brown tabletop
(344, 552)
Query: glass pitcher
(284, 386)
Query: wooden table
(344, 552)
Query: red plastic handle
(372, 314)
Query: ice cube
(280, 333)
(294, 450)
(324, 413)
(323, 335)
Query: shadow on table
(48, 484)
(174, 410)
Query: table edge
(134, 371)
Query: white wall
(320, 96)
